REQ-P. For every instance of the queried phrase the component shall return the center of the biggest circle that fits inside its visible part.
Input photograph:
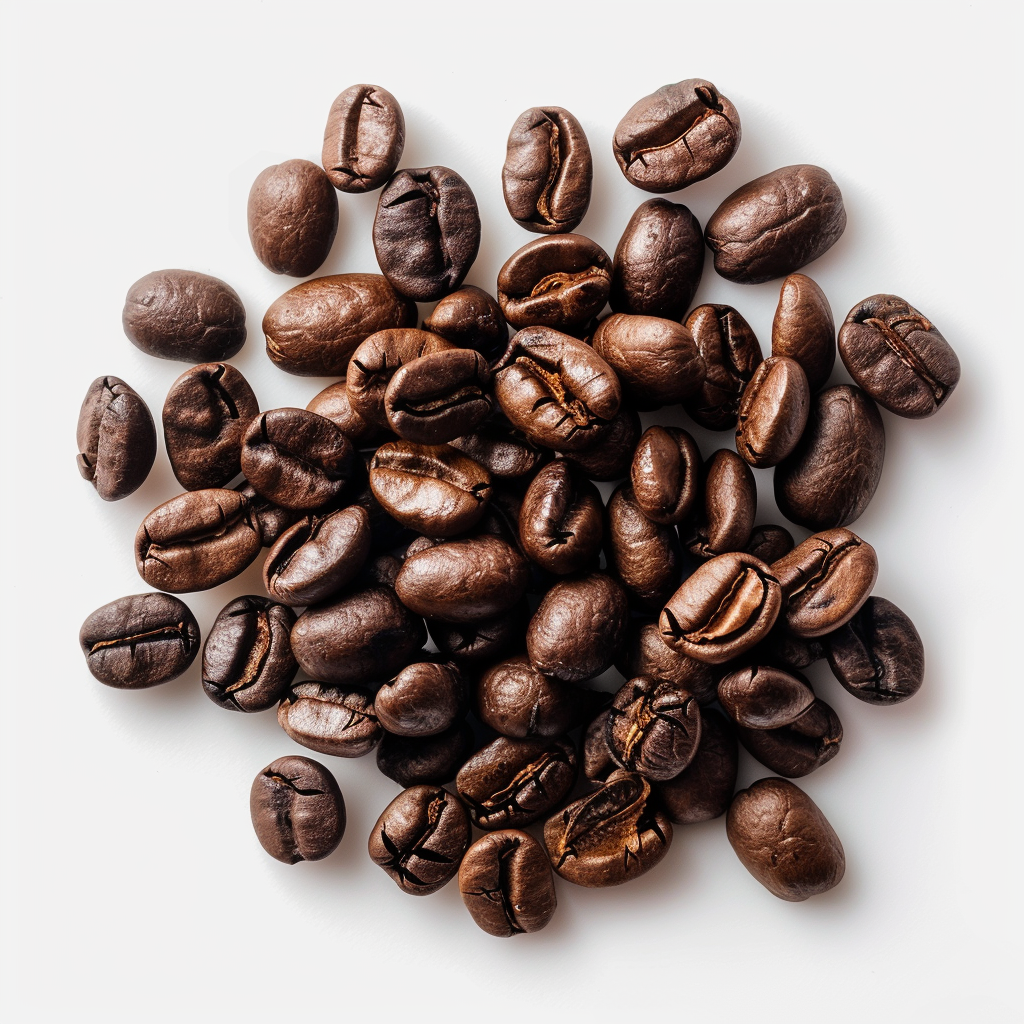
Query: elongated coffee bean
(762, 697)
(333, 403)
(704, 789)
(730, 505)
(425, 760)
(335, 720)
(643, 555)
(811, 740)
(364, 138)
(560, 523)
(666, 474)
(803, 329)
(773, 412)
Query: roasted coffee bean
(609, 836)
(561, 520)
(666, 474)
(197, 540)
(762, 697)
(598, 762)
(116, 439)
(831, 475)
(783, 650)
(809, 741)
(364, 138)
(611, 458)
(422, 700)
(293, 217)
(680, 134)
(139, 641)
(773, 412)
(297, 810)
(579, 628)
(548, 170)
(653, 728)
(425, 760)
(506, 883)
(271, 519)
(560, 281)
(769, 543)
(825, 580)
(337, 720)
(334, 404)
(878, 655)
(420, 839)
(511, 783)
(784, 841)
(723, 609)
(898, 357)
(295, 458)
(506, 453)
(644, 556)
(656, 360)
(470, 318)
(704, 789)
(647, 654)
(731, 353)
(481, 643)
(313, 329)
(426, 233)
(730, 505)
(182, 314)
(204, 415)
(247, 658)
(658, 261)
(803, 329)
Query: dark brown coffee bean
(610, 459)
(182, 314)
(335, 720)
(425, 760)
(483, 642)
(139, 641)
(333, 403)
(364, 138)
(730, 506)
(704, 789)
(647, 654)
(762, 697)
(293, 217)
(561, 520)
(506, 453)
(769, 543)
(803, 329)
(598, 762)
(116, 439)
(783, 650)
(831, 475)
(666, 475)
(784, 841)
(424, 699)
(297, 810)
(680, 134)
(644, 556)
(313, 329)
(506, 883)
(204, 415)
(773, 412)
(797, 749)
(271, 519)
(470, 318)
(898, 357)
(247, 658)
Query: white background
(134, 888)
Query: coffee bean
(364, 138)
(647, 654)
(425, 760)
(762, 697)
(116, 439)
(730, 505)
(139, 641)
(470, 318)
(773, 412)
(776, 224)
(424, 699)
(506, 453)
(297, 810)
(782, 838)
(680, 134)
(333, 403)
(271, 519)
(560, 525)
(483, 642)
(783, 650)
(804, 330)
(704, 789)
(644, 556)
(769, 543)
(611, 457)
(809, 741)
(666, 475)
(598, 762)
(337, 720)
(247, 658)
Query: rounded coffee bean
(809, 741)
(425, 760)
(293, 217)
(506, 453)
(470, 318)
(704, 789)
(776, 224)
(762, 697)
(610, 459)
(784, 841)
(666, 475)
(561, 520)
(483, 642)
(116, 439)
(139, 641)
(647, 654)
(769, 543)
(297, 810)
(803, 329)
(334, 404)
(730, 505)
(680, 134)
(422, 700)
(773, 412)
(364, 138)
(330, 719)
(643, 555)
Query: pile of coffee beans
(444, 490)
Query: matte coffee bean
(481, 643)
(770, 543)
(803, 329)
(271, 519)
(762, 697)
(204, 415)
(336, 720)
(561, 520)
(426, 233)
(293, 217)
(313, 329)
(139, 641)
(420, 839)
(610, 459)
(898, 356)
(506, 883)
(425, 760)
(333, 403)
(297, 810)
(773, 412)
(809, 741)
(680, 134)
(704, 789)
(730, 506)
(666, 475)
(782, 838)
(424, 699)
(776, 224)
(116, 439)
(643, 555)
(831, 475)
(598, 762)
(506, 453)
(548, 170)
(247, 658)
(182, 314)
(647, 654)
(470, 318)
(364, 138)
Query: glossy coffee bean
(425, 760)
(680, 134)
(803, 329)
(773, 412)
(610, 458)
(426, 233)
(704, 789)
(293, 217)
(666, 474)
(644, 556)
(730, 506)
(898, 356)
(420, 839)
(481, 643)
(776, 224)
(139, 641)
(769, 543)
(424, 699)
(762, 697)
(182, 314)
(782, 838)
(197, 540)
(506, 883)
(116, 439)
(271, 519)
(831, 475)
(647, 654)
(333, 403)
(247, 658)
(297, 810)
(470, 318)
(598, 762)
(338, 720)
(809, 741)
(364, 138)
(506, 453)
(204, 415)
(561, 520)
(783, 650)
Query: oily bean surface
(271, 519)
(610, 459)
(506, 453)
(333, 403)
(644, 556)
(481, 643)
(730, 506)
(647, 654)
(666, 474)
(803, 329)
(704, 789)
(424, 699)
(364, 138)
(808, 742)
(470, 318)
(770, 543)
(773, 412)
(561, 520)
(763, 697)
(425, 760)
(338, 720)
